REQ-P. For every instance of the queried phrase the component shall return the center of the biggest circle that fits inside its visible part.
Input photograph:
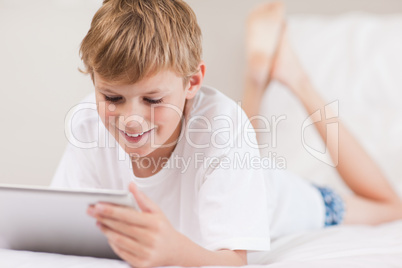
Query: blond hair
(132, 39)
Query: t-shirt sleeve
(233, 202)
(76, 170)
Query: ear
(195, 81)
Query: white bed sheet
(356, 59)
(341, 246)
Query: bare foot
(263, 36)
(287, 68)
(264, 26)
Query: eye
(153, 101)
(113, 99)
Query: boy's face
(143, 117)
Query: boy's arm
(195, 255)
(146, 238)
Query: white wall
(222, 22)
(40, 82)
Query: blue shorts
(334, 206)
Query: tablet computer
(55, 220)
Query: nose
(133, 117)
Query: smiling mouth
(134, 135)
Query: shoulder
(215, 119)
(210, 102)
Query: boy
(144, 57)
(181, 142)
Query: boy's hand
(142, 238)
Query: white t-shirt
(208, 189)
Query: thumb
(143, 201)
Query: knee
(395, 209)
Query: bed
(342, 246)
(355, 59)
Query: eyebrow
(153, 91)
(157, 90)
(106, 90)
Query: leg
(374, 201)
(360, 210)
(263, 32)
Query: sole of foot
(264, 26)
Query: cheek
(106, 114)
(167, 115)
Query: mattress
(339, 246)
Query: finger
(133, 260)
(121, 213)
(143, 201)
(122, 241)
(91, 211)
(139, 234)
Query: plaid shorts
(334, 206)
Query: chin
(139, 152)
